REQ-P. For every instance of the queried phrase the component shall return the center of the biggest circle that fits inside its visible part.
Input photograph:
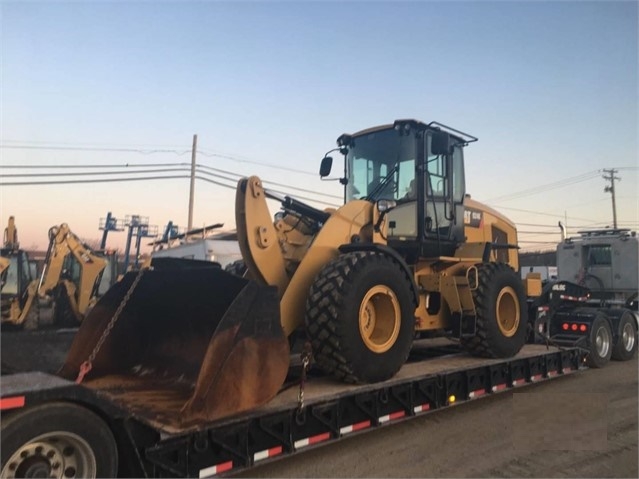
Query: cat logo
(473, 218)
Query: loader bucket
(188, 330)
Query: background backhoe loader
(71, 275)
(18, 287)
(361, 282)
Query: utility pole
(193, 151)
(611, 189)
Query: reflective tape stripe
(552, 374)
(355, 427)
(266, 453)
(567, 370)
(12, 402)
(536, 377)
(476, 394)
(422, 408)
(217, 469)
(312, 440)
(518, 382)
(392, 416)
(499, 387)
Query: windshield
(377, 157)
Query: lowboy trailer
(63, 429)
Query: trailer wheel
(600, 342)
(626, 346)
(60, 440)
(502, 317)
(360, 317)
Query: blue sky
(550, 89)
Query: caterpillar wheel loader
(408, 254)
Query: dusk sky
(550, 89)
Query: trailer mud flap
(188, 331)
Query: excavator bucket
(191, 343)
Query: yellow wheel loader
(408, 254)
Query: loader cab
(420, 169)
(15, 279)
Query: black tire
(63, 316)
(57, 440)
(502, 315)
(625, 348)
(360, 317)
(237, 267)
(599, 342)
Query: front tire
(60, 440)
(360, 317)
(502, 317)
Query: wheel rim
(57, 454)
(628, 337)
(602, 342)
(508, 312)
(379, 319)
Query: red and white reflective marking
(355, 427)
(552, 374)
(499, 387)
(312, 440)
(476, 394)
(536, 377)
(573, 298)
(392, 416)
(422, 408)
(518, 382)
(266, 453)
(217, 469)
(567, 370)
(11, 402)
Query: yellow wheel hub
(507, 309)
(379, 319)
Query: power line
(151, 152)
(550, 186)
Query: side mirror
(325, 167)
(440, 143)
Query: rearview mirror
(440, 143)
(325, 167)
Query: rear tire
(626, 347)
(360, 317)
(502, 317)
(599, 342)
(57, 440)
(63, 316)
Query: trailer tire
(502, 315)
(57, 440)
(360, 317)
(599, 342)
(625, 348)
